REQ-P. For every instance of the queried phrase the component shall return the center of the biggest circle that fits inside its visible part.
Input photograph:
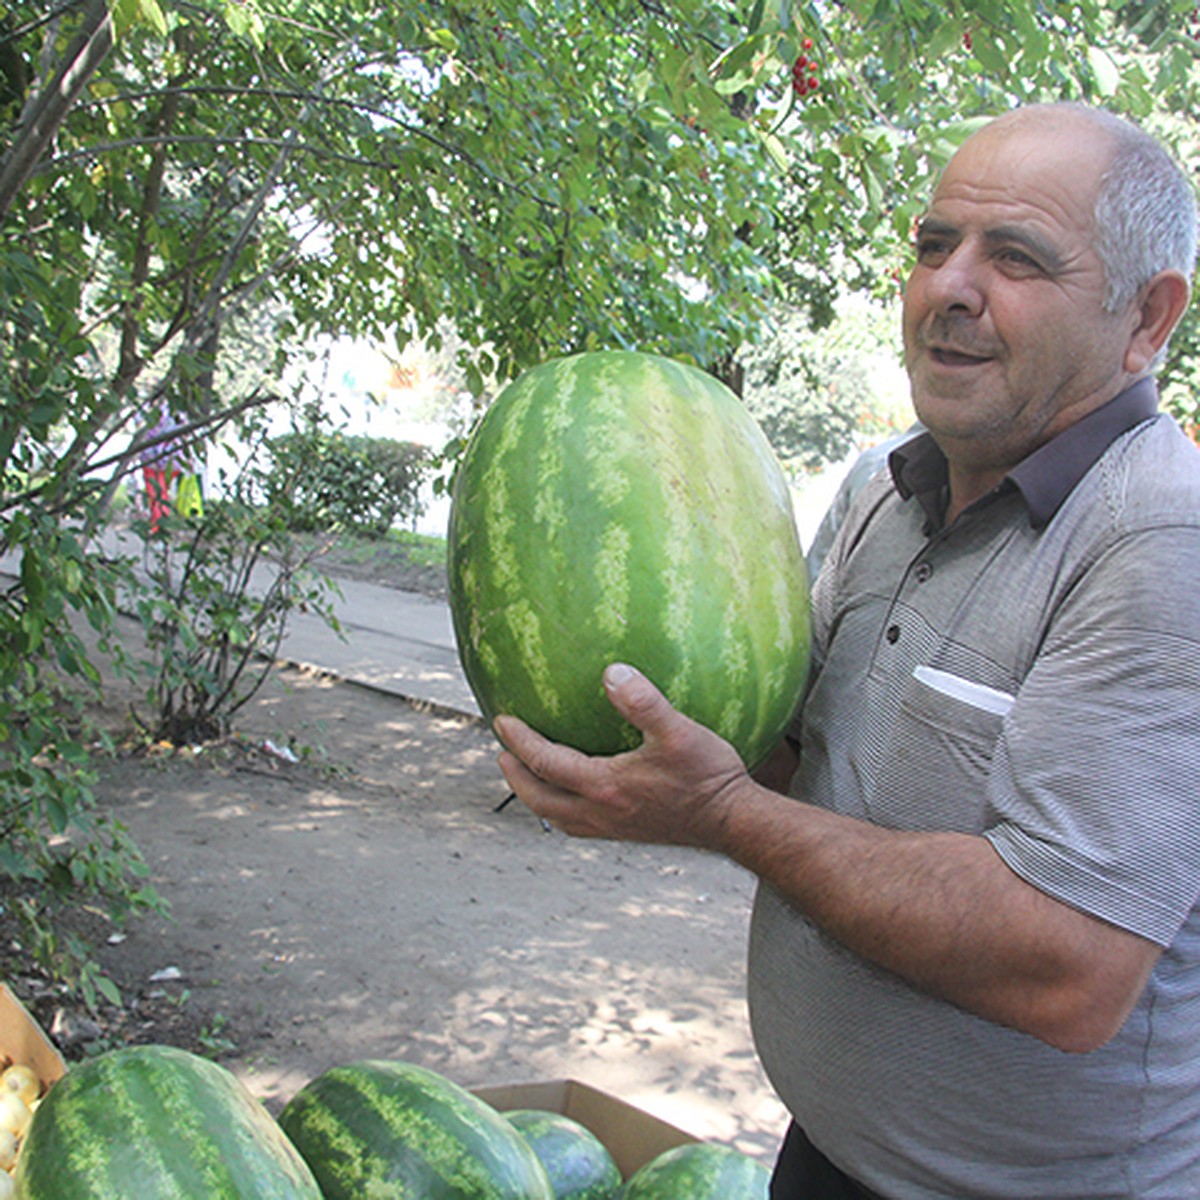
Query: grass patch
(423, 549)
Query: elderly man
(975, 951)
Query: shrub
(220, 589)
(58, 851)
(331, 481)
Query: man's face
(1005, 335)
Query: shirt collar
(1048, 476)
(1044, 478)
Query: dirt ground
(368, 901)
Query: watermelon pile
(158, 1123)
(619, 506)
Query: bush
(221, 587)
(330, 481)
(58, 851)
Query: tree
(549, 177)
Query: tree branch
(47, 110)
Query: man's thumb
(635, 697)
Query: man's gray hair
(1145, 213)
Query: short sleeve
(1094, 793)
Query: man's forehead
(1026, 151)
(1015, 180)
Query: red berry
(813, 84)
(807, 43)
(801, 63)
(812, 68)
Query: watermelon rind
(699, 1171)
(157, 1123)
(616, 506)
(578, 1164)
(391, 1130)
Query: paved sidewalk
(397, 642)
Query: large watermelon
(577, 1162)
(699, 1171)
(383, 1130)
(617, 506)
(157, 1123)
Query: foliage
(221, 587)
(58, 850)
(817, 393)
(330, 481)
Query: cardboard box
(633, 1137)
(22, 1040)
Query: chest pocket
(925, 766)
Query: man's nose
(957, 284)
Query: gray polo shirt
(1030, 674)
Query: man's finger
(550, 762)
(636, 698)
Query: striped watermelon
(620, 506)
(379, 1130)
(157, 1123)
(577, 1162)
(699, 1171)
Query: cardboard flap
(22, 1039)
(633, 1137)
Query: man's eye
(931, 248)
(1018, 258)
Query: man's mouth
(946, 356)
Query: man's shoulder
(1157, 464)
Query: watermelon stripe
(73, 1143)
(181, 1101)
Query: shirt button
(923, 572)
(893, 634)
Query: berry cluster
(805, 80)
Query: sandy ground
(369, 902)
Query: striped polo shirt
(1029, 674)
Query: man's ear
(1158, 308)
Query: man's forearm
(944, 912)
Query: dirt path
(369, 902)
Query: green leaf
(127, 14)
(444, 39)
(109, 990)
(1105, 71)
(776, 150)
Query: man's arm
(941, 910)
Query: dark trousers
(802, 1172)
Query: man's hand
(676, 787)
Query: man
(975, 950)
